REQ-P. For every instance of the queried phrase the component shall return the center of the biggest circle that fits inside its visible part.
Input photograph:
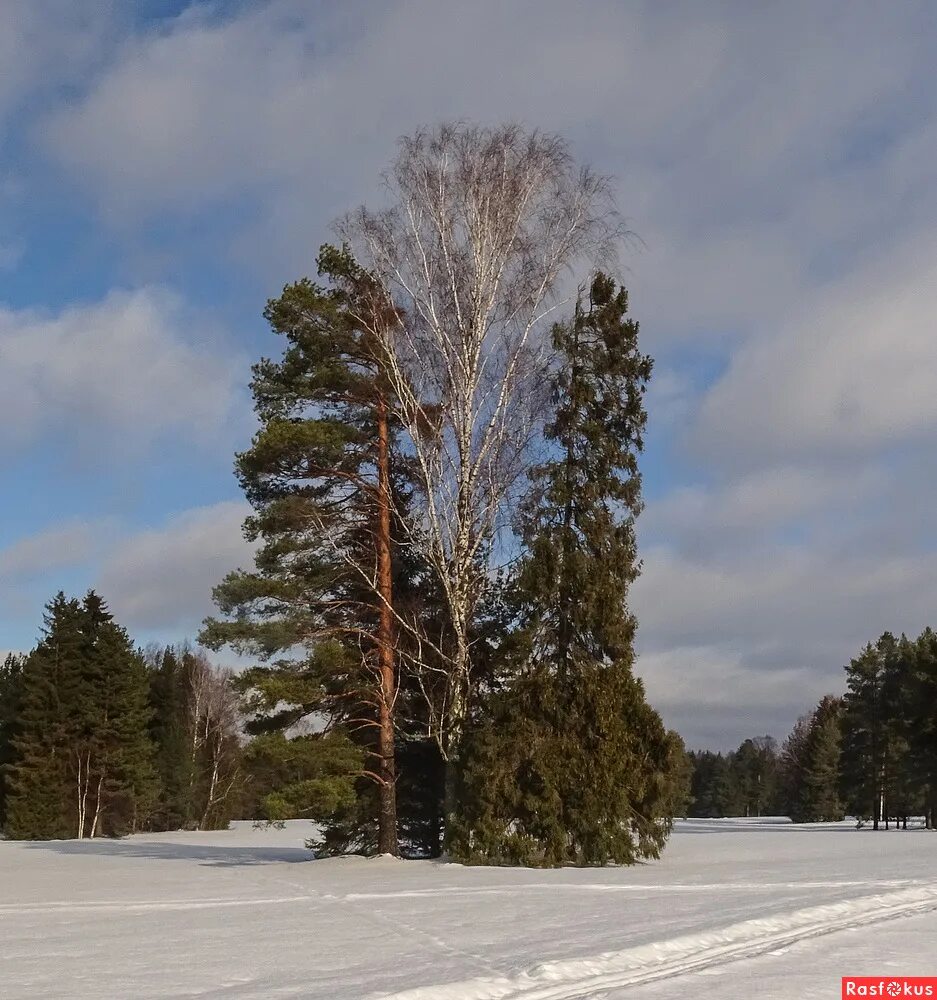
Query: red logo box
(888, 987)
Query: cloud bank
(777, 164)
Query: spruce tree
(11, 679)
(810, 765)
(821, 798)
(753, 774)
(920, 722)
(570, 765)
(679, 794)
(110, 753)
(170, 731)
(793, 765)
(865, 732)
(83, 757)
(38, 806)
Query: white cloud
(723, 126)
(852, 373)
(44, 43)
(784, 597)
(740, 642)
(196, 110)
(760, 504)
(715, 700)
(35, 566)
(157, 581)
(127, 368)
(53, 549)
(161, 579)
(776, 161)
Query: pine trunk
(387, 818)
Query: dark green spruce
(83, 757)
(569, 764)
(11, 679)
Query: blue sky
(167, 166)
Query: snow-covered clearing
(733, 908)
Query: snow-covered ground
(734, 909)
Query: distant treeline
(871, 753)
(98, 738)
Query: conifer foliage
(407, 687)
(320, 478)
(871, 754)
(83, 759)
(810, 766)
(98, 739)
(11, 671)
(195, 730)
(567, 762)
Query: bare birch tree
(482, 225)
(213, 733)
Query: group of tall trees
(871, 753)
(100, 739)
(444, 486)
(889, 730)
(742, 783)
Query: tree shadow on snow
(212, 855)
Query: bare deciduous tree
(482, 225)
(213, 732)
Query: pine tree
(902, 794)
(326, 485)
(570, 765)
(709, 784)
(724, 790)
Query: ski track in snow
(140, 905)
(143, 905)
(636, 888)
(593, 976)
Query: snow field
(245, 913)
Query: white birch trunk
(483, 223)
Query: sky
(165, 167)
